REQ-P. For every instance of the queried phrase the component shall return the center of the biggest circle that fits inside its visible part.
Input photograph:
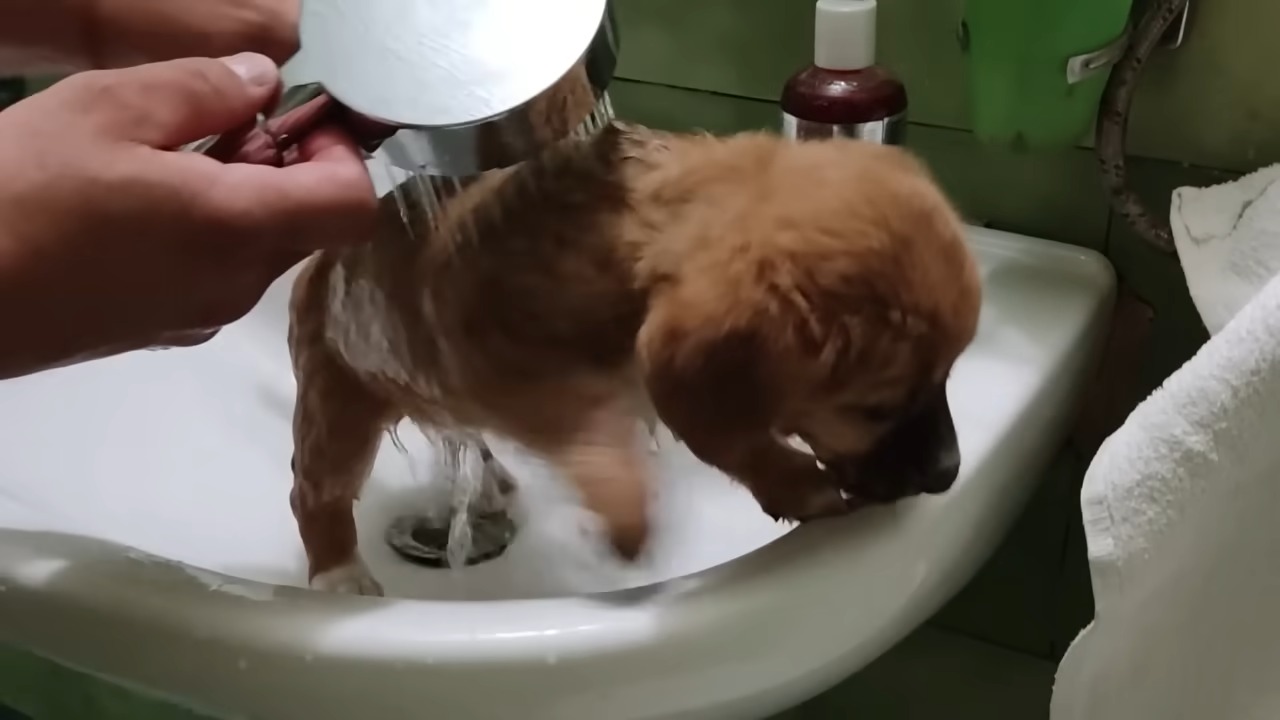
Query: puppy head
(834, 318)
(886, 451)
(869, 332)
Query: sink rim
(395, 630)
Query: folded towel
(1182, 504)
(1228, 238)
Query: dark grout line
(748, 98)
(967, 635)
(1110, 226)
(932, 126)
(718, 93)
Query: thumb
(165, 105)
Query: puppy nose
(941, 477)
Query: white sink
(147, 537)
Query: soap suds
(183, 456)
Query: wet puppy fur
(746, 289)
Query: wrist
(44, 319)
(25, 348)
(122, 33)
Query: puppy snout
(942, 476)
(919, 456)
(945, 447)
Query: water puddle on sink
(556, 548)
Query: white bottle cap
(845, 34)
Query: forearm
(34, 336)
(43, 36)
(58, 36)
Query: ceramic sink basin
(145, 535)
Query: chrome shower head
(452, 87)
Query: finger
(271, 144)
(326, 199)
(329, 144)
(165, 105)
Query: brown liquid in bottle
(844, 97)
(844, 93)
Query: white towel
(1228, 238)
(1182, 504)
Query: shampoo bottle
(844, 93)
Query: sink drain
(424, 541)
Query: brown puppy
(751, 289)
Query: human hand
(59, 36)
(110, 243)
(121, 33)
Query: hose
(1113, 123)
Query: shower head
(451, 87)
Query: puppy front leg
(603, 459)
(715, 388)
(337, 428)
(787, 484)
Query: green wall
(1204, 112)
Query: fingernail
(257, 71)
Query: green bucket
(1037, 68)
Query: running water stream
(421, 198)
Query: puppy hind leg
(337, 428)
(499, 485)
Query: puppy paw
(497, 478)
(352, 578)
(629, 541)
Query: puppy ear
(716, 385)
(709, 384)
